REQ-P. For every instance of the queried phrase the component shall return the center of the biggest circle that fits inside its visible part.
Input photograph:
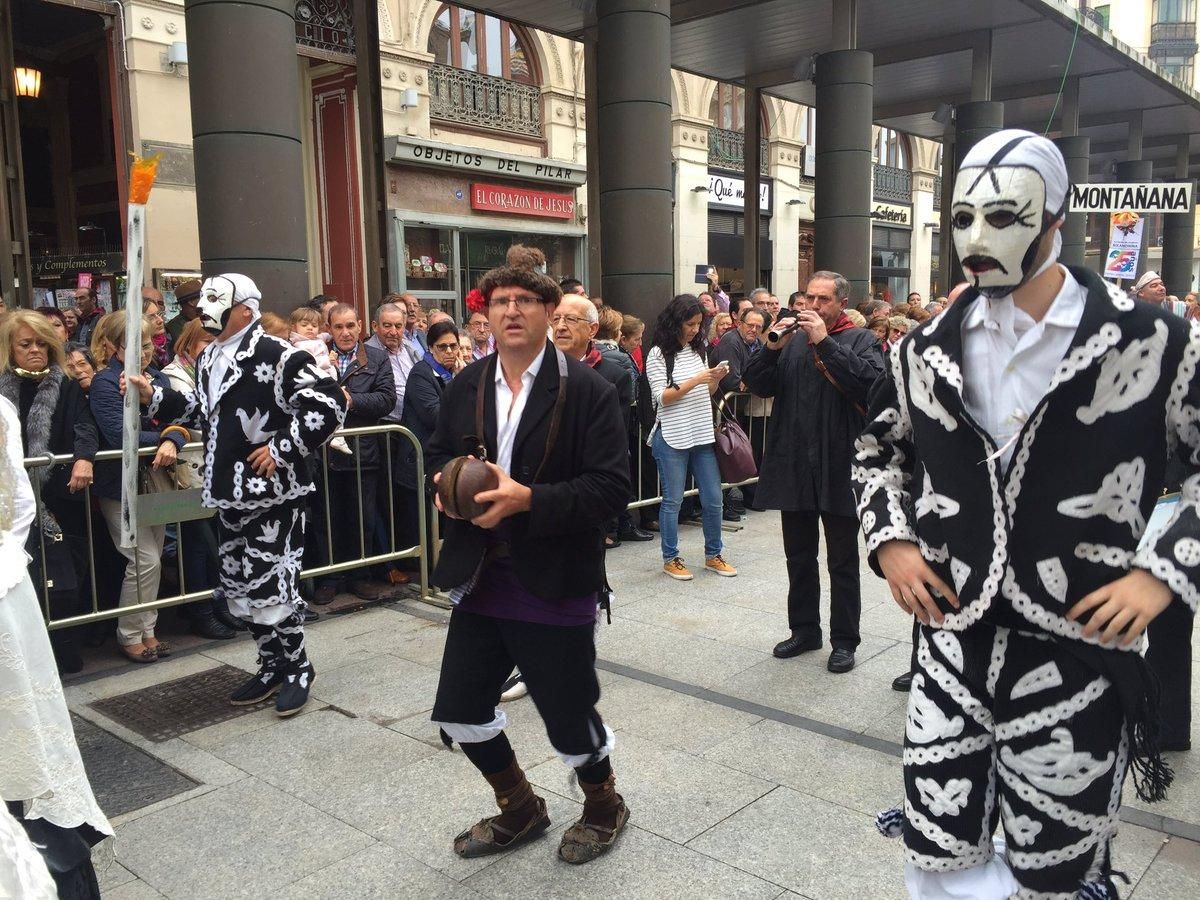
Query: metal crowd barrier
(180, 506)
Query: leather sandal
(481, 838)
(583, 842)
(145, 655)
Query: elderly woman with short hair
(55, 418)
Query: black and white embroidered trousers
(261, 555)
(1006, 726)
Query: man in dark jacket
(528, 572)
(365, 377)
(820, 376)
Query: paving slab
(670, 793)
(1175, 872)
(669, 718)
(132, 890)
(383, 688)
(1183, 796)
(685, 657)
(808, 845)
(379, 872)
(849, 700)
(858, 778)
(322, 757)
(113, 876)
(136, 676)
(641, 866)
(707, 617)
(244, 840)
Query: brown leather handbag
(735, 458)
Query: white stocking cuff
(474, 734)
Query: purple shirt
(501, 595)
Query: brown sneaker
(718, 565)
(677, 570)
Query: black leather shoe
(324, 594)
(840, 660)
(902, 683)
(293, 692)
(311, 615)
(795, 645)
(635, 534)
(207, 625)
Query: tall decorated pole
(141, 180)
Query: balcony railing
(727, 150)
(1172, 39)
(485, 101)
(893, 184)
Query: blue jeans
(673, 468)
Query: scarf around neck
(593, 357)
(441, 371)
(36, 428)
(842, 324)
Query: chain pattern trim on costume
(1053, 715)
(1048, 621)
(1165, 571)
(1082, 357)
(921, 756)
(958, 692)
(1052, 808)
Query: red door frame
(339, 204)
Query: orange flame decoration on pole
(141, 177)
(141, 180)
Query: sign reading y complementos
(1151, 197)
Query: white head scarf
(1010, 188)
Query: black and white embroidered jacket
(272, 394)
(1067, 515)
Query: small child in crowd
(306, 335)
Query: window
(1101, 16)
(891, 149)
(1178, 66)
(728, 109)
(808, 125)
(478, 43)
(1165, 11)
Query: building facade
(484, 144)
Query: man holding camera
(819, 369)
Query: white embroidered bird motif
(1055, 767)
(270, 532)
(1126, 377)
(252, 426)
(1118, 498)
(925, 721)
(1023, 829)
(932, 502)
(943, 801)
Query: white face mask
(216, 300)
(998, 219)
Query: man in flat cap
(187, 295)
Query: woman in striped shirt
(681, 384)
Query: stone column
(1135, 171)
(845, 87)
(633, 87)
(689, 140)
(1075, 151)
(246, 139)
(923, 219)
(1179, 235)
(786, 157)
(972, 123)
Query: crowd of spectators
(394, 369)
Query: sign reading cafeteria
(522, 202)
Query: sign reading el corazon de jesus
(522, 202)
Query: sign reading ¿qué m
(1149, 197)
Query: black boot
(220, 611)
(298, 672)
(207, 625)
(270, 676)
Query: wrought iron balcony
(893, 184)
(727, 150)
(484, 101)
(1172, 39)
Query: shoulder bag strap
(556, 415)
(824, 370)
(485, 380)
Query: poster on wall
(1124, 245)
